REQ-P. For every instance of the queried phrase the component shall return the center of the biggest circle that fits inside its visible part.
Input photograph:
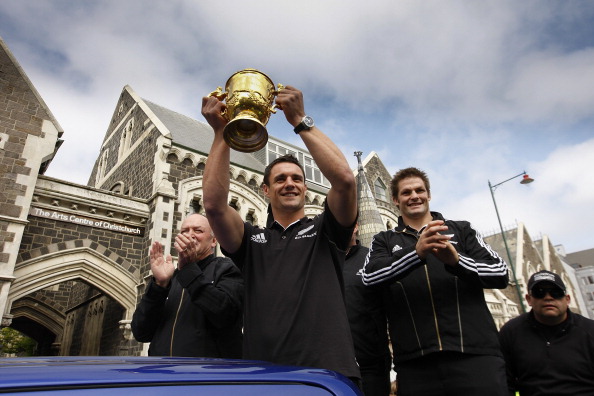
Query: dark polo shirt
(294, 306)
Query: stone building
(527, 257)
(583, 264)
(74, 258)
(29, 137)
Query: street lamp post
(527, 179)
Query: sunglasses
(541, 292)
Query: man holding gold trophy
(294, 311)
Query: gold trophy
(248, 94)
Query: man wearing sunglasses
(549, 350)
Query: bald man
(194, 309)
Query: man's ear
(529, 299)
(395, 200)
(265, 189)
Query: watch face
(308, 121)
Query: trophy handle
(218, 93)
(279, 88)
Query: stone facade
(29, 136)
(527, 257)
(80, 245)
(583, 264)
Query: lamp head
(526, 179)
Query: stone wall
(131, 170)
(22, 114)
(43, 236)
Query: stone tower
(370, 220)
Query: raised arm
(342, 197)
(225, 222)
(149, 312)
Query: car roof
(103, 371)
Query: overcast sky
(469, 91)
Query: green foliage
(14, 343)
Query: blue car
(146, 376)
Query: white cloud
(558, 203)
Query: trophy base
(246, 134)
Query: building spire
(370, 220)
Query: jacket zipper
(175, 323)
(416, 236)
(410, 312)
(433, 308)
(459, 316)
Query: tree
(13, 342)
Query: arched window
(117, 188)
(101, 166)
(195, 206)
(172, 158)
(126, 139)
(380, 190)
(249, 217)
(234, 203)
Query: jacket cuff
(156, 292)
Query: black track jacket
(434, 307)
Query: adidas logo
(396, 248)
(259, 238)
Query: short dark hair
(283, 158)
(406, 173)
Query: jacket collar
(566, 324)
(403, 227)
(353, 249)
(270, 222)
(205, 261)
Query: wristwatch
(306, 123)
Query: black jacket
(434, 307)
(554, 361)
(198, 315)
(367, 318)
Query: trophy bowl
(249, 95)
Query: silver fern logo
(302, 233)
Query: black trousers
(375, 377)
(452, 374)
